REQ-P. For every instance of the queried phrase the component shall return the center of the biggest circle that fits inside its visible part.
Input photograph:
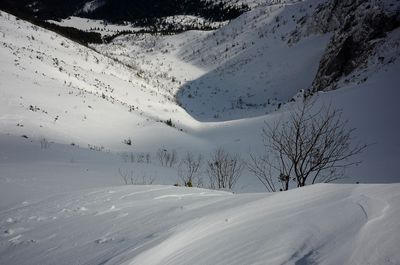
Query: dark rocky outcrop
(357, 27)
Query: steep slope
(360, 28)
(257, 62)
(244, 69)
(252, 68)
(56, 90)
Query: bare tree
(224, 169)
(167, 158)
(129, 178)
(162, 156)
(189, 170)
(140, 158)
(144, 180)
(44, 143)
(173, 158)
(128, 157)
(310, 147)
(262, 168)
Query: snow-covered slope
(55, 89)
(321, 224)
(90, 124)
(264, 57)
(244, 69)
(52, 87)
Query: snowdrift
(320, 224)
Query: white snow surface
(320, 224)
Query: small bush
(167, 158)
(128, 141)
(169, 123)
(44, 143)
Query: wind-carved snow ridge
(321, 224)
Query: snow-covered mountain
(90, 99)
(256, 62)
(248, 68)
(78, 122)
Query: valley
(83, 130)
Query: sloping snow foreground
(320, 224)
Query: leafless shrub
(312, 146)
(129, 178)
(140, 158)
(147, 158)
(261, 167)
(224, 169)
(144, 180)
(44, 143)
(128, 157)
(189, 170)
(143, 158)
(95, 148)
(167, 158)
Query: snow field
(324, 224)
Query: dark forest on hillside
(143, 11)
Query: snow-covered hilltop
(83, 131)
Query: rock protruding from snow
(359, 27)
